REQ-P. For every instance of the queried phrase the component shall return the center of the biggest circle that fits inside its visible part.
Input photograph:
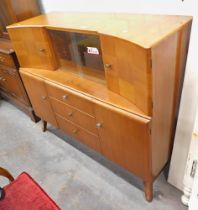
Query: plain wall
(190, 90)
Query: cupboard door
(124, 140)
(33, 48)
(127, 71)
(37, 92)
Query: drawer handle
(2, 59)
(3, 80)
(70, 114)
(42, 50)
(13, 94)
(107, 65)
(65, 97)
(44, 97)
(98, 125)
(75, 131)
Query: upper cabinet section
(115, 50)
(33, 48)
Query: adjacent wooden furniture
(126, 110)
(11, 86)
(12, 11)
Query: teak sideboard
(111, 81)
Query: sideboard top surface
(140, 29)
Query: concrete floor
(73, 175)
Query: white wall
(190, 91)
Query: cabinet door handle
(42, 50)
(107, 65)
(75, 131)
(44, 97)
(65, 97)
(98, 125)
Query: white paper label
(92, 50)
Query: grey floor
(74, 176)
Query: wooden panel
(7, 15)
(79, 133)
(6, 60)
(12, 11)
(164, 71)
(67, 97)
(182, 51)
(129, 73)
(33, 48)
(24, 9)
(38, 96)
(70, 113)
(9, 82)
(124, 140)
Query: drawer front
(79, 133)
(10, 84)
(6, 60)
(84, 120)
(69, 98)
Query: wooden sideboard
(11, 85)
(111, 81)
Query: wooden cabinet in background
(126, 110)
(11, 85)
(12, 11)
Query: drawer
(79, 133)
(6, 60)
(67, 97)
(84, 120)
(11, 85)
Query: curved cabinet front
(37, 92)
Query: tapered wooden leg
(44, 125)
(148, 190)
